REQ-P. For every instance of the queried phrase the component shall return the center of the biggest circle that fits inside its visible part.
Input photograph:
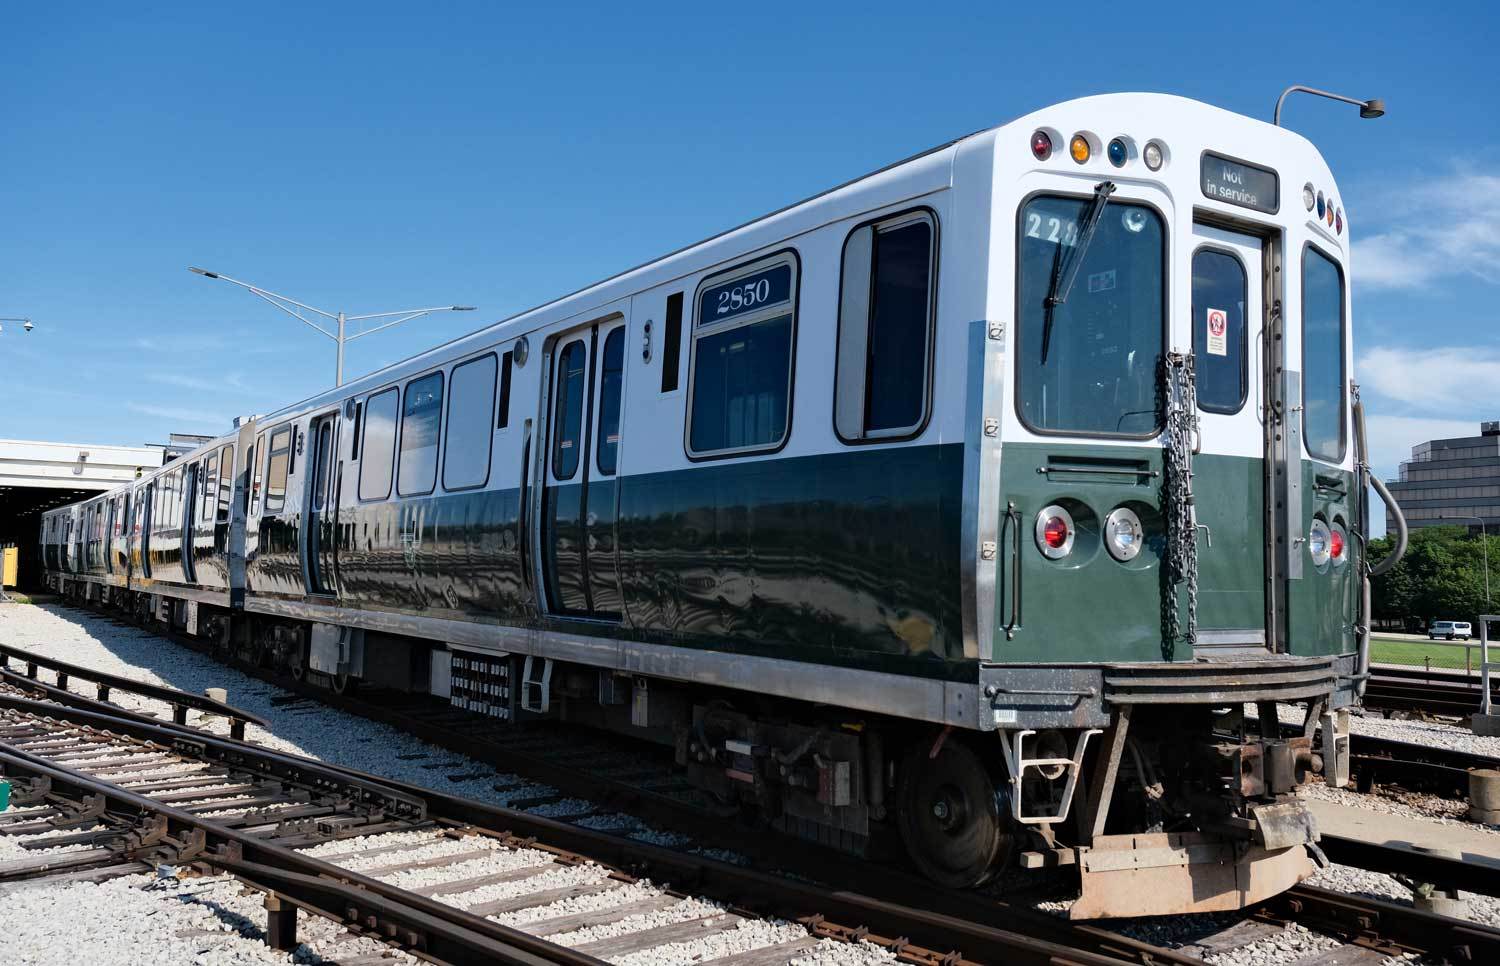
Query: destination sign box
(1240, 183)
(750, 293)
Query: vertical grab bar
(1013, 523)
(523, 534)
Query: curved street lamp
(1374, 107)
(284, 304)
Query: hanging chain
(1182, 515)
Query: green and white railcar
(972, 500)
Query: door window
(611, 381)
(567, 417)
(325, 452)
(277, 465)
(1220, 331)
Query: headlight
(1054, 532)
(1123, 534)
(1319, 542)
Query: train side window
(611, 381)
(210, 485)
(886, 310)
(1220, 335)
(354, 435)
(277, 467)
(421, 414)
(671, 350)
(226, 481)
(567, 422)
(468, 436)
(1323, 376)
(502, 417)
(378, 447)
(740, 375)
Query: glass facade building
(1451, 482)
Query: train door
(577, 497)
(145, 513)
(322, 506)
(1229, 470)
(192, 487)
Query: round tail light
(1319, 542)
(1338, 545)
(1054, 532)
(1041, 145)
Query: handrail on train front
(181, 701)
(1362, 459)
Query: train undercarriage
(1170, 807)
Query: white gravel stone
(555, 877)
(1294, 942)
(831, 952)
(139, 920)
(1377, 885)
(747, 935)
(594, 902)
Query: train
(969, 504)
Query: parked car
(1448, 630)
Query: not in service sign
(1240, 183)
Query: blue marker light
(1117, 153)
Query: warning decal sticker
(1218, 322)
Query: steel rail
(181, 701)
(1471, 873)
(366, 791)
(1385, 926)
(442, 932)
(979, 930)
(857, 879)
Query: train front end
(1168, 510)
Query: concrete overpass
(36, 476)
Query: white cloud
(232, 381)
(1446, 379)
(190, 418)
(1440, 228)
(1392, 437)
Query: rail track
(125, 794)
(1372, 925)
(1429, 692)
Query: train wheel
(951, 817)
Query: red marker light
(1041, 145)
(1055, 532)
(1336, 545)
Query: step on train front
(989, 504)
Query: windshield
(1097, 373)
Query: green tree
(1441, 577)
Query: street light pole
(1484, 544)
(1374, 107)
(340, 337)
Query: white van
(1448, 630)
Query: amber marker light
(1079, 148)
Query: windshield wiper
(1065, 271)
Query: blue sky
(371, 156)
